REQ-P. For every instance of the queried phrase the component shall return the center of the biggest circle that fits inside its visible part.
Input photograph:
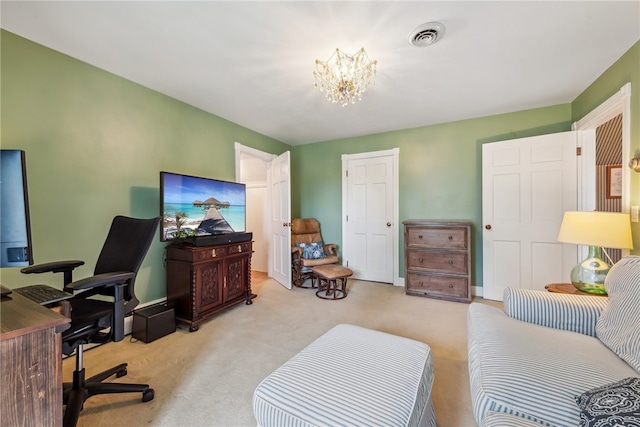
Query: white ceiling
(252, 62)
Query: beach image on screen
(195, 206)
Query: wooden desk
(31, 363)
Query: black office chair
(99, 320)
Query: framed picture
(614, 181)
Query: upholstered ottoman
(350, 376)
(332, 281)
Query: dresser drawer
(437, 237)
(444, 262)
(437, 285)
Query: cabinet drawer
(437, 237)
(445, 262)
(437, 285)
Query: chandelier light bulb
(343, 77)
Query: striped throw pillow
(619, 325)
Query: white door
(280, 216)
(527, 185)
(370, 223)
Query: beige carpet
(207, 378)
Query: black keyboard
(43, 294)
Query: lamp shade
(604, 229)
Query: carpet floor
(207, 377)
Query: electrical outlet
(634, 213)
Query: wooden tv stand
(202, 281)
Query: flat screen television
(196, 208)
(15, 223)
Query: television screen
(193, 207)
(15, 226)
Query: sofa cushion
(533, 371)
(500, 419)
(616, 404)
(619, 325)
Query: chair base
(77, 392)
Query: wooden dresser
(203, 281)
(437, 259)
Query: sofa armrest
(577, 313)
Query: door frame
(618, 103)
(394, 153)
(266, 158)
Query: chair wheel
(121, 373)
(148, 395)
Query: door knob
(488, 226)
(388, 224)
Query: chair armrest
(52, 267)
(330, 249)
(577, 313)
(105, 279)
(117, 280)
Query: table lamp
(596, 230)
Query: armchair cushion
(575, 313)
(619, 326)
(616, 404)
(313, 250)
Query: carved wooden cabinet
(438, 259)
(203, 281)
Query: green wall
(95, 144)
(440, 166)
(440, 170)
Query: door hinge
(347, 218)
(346, 173)
(347, 264)
(578, 151)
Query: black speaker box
(153, 322)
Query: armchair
(308, 250)
(102, 320)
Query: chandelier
(344, 78)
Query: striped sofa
(528, 363)
(350, 376)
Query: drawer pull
(420, 260)
(420, 283)
(450, 261)
(419, 236)
(450, 237)
(450, 285)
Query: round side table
(568, 288)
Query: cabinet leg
(193, 328)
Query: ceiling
(252, 62)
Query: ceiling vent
(426, 34)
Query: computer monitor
(15, 225)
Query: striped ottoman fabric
(533, 371)
(350, 376)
